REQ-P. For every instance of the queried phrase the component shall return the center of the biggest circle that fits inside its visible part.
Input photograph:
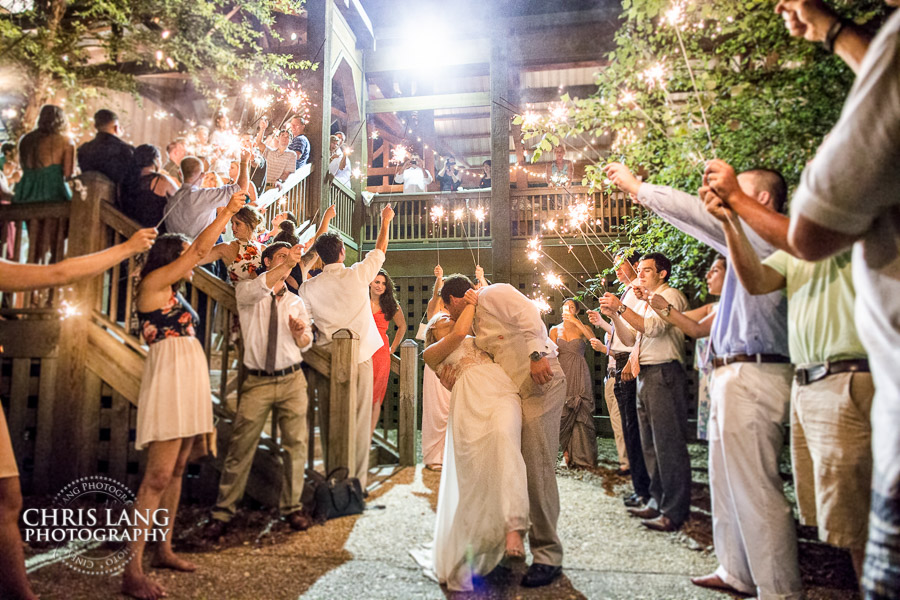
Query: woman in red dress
(385, 309)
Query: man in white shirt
(661, 395)
(413, 175)
(625, 386)
(276, 329)
(509, 327)
(338, 298)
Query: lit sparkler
(479, 217)
(67, 310)
(437, 215)
(399, 154)
(542, 305)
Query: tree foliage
(769, 100)
(76, 47)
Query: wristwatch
(621, 310)
(536, 356)
(665, 312)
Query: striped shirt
(279, 162)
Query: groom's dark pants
(541, 412)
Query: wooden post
(408, 398)
(318, 85)
(342, 404)
(500, 115)
(72, 407)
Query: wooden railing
(530, 209)
(91, 362)
(344, 200)
(413, 219)
(292, 196)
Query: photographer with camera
(448, 177)
(413, 175)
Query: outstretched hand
(720, 176)
(809, 19)
(715, 205)
(622, 177)
(141, 241)
(387, 213)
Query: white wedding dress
(483, 493)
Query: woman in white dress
(435, 397)
(482, 509)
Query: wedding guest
(448, 177)
(280, 160)
(211, 180)
(338, 298)
(9, 166)
(612, 405)
(697, 323)
(106, 153)
(233, 171)
(435, 397)
(192, 208)
(174, 407)
(301, 271)
(47, 158)
(145, 189)
(577, 434)
(413, 175)
(224, 142)
(175, 151)
(657, 360)
(750, 395)
(621, 345)
(560, 172)
(300, 143)
(385, 309)
(339, 163)
(831, 396)
(243, 256)
(15, 277)
(276, 329)
(486, 175)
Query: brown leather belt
(811, 373)
(721, 361)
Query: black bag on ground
(336, 495)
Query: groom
(508, 326)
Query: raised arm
(435, 354)
(311, 255)
(387, 215)
(17, 277)
(812, 20)
(173, 272)
(691, 327)
(435, 292)
(260, 134)
(756, 277)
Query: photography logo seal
(91, 521)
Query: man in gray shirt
(192, 209)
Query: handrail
(273, 195)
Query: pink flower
(149, 332)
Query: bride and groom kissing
(507, 393)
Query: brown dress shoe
(660, 523)
(714, 582)
(644, 513)
(298, 521)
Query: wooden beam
(103, 351)
(552, 94)
(461, 100)
(463, 116)
(501, 256)
(577, 43)
(408, 400)
(398, 57)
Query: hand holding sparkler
(715, 205)
(609, 304)
(387, 214)
(595, 318)
(809, 19)
(141, 241)
(720, 176)
(622, 177)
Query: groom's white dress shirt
(509, 327)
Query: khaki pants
(259, 396)
(364, 393)
(615, 420)
(831, 451)
(541, 412)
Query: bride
(482, 511)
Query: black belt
(621, 357)
(721, 361)
(278, 373)
(811, 373)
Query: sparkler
(535, 251)
(542, 305)
(399, 154)
(479, 217)
(555, 281)
(437, 215)
(67, 310)
(551, 225)
(674, 16)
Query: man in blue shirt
(300, 143)
(753, 527)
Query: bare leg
(165, 557)
(13, 580)
(161, 460)
(515, 545)
(376, 413)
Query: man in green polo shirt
(831, 396)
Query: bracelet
(833, 32)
